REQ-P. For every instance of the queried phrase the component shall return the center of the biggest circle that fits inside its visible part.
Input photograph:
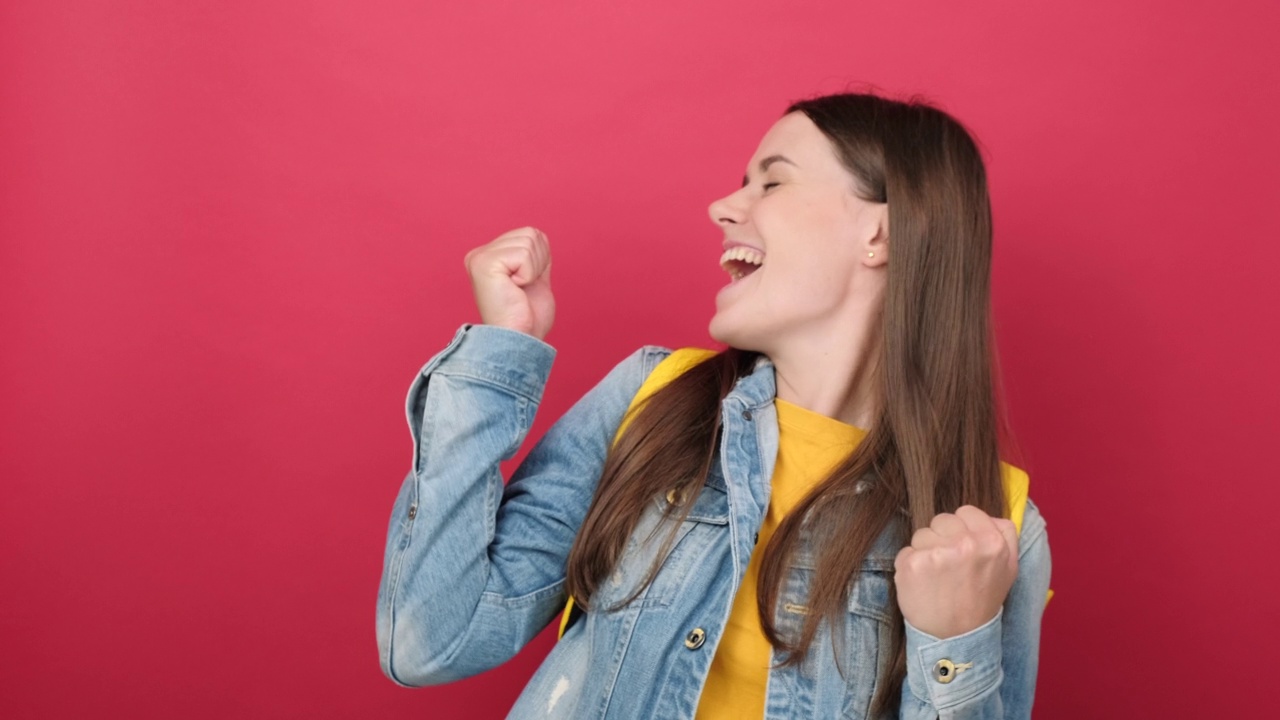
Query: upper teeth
(743, 254)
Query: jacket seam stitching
(394, 594)
(494, 381)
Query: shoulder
(1035, 562)
(658, 365)
(1034, 528)
(1024, 513)
(675, 362)
(650, 356)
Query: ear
(875, 245)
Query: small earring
(871, 254)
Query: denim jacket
(473, 570)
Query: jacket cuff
(510, 359)
(946, 673)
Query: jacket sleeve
(472, 569)
(1005, 652)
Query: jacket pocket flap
(880, 557)
(711, 506)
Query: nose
(727, 210)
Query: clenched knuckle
(994, 546)
(900, 560)
(913, 563)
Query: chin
(735, 337)
(719, 332)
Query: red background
(233, 231)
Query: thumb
(521, 268)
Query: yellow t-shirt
(810, 446)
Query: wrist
(946, 672)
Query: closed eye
(769, 185)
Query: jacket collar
(757, 389)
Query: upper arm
(473, 568)
(1023, 612)
(549, 494)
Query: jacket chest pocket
(705, 526)
(865, 652)
(857, 667)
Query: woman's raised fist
(511, 278)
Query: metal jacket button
(413, 511)
(945, 671)
(746, 415)
(695, 638)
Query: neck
(831, 373)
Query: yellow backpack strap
(667, 370)
(1016, 484)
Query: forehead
(795, 137)
(794, 132)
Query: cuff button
(945, 671)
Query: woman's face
(797, 215)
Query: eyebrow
(766, 162)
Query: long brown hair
(935, 442)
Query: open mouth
(740, 262)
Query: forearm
(474, 570)
(469, 408)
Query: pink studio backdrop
(232, 233)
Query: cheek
(806, 285)
(809, 249)
(808, 228)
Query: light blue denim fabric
(473, 570)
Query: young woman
(813, 523)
